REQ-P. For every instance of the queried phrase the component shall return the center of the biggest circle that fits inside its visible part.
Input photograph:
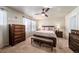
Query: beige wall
(53, 21)
(12, 14)
(11, 19)
(67, 19)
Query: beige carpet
(26, 47)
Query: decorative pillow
(42, 28)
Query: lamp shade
(58, 26)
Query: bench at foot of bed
(41, 41)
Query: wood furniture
(74, 40)
(16, 34)
(45, 37)
(51, 38)
(59, 33)
(41, 41)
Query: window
(73, 22)
(33, 26)
(30, 26)
(27, 23)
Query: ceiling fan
(44, 12)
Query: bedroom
(57, 19)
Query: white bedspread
(45, 33)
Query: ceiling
(56, 11)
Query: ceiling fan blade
(43, 9)
(47, 9)
(46, 15)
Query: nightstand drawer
(59, 34)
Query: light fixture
(58, 26)
(39, 17)
(43, 14)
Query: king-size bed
(46, 34)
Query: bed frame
(42, 39)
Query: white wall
(51, 21)
(67, 20)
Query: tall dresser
(16, 34)
(74, 40)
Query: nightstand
(59, 33)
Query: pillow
(45, 28)
(48, 28)
(51, 29)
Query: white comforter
(45, 33)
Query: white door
(4, 40)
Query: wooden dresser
(16, 34)
(74, 40)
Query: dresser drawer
(19, 27)
(19, 30)
(18, 33)
(19, 36)
(75, 39)
(19, 40)
(74, 43)
(74, 46)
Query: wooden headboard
(48, 27)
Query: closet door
(5, 29)
(1, 28)
(4, 40)
(78, 21)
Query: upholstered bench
(42, 41)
